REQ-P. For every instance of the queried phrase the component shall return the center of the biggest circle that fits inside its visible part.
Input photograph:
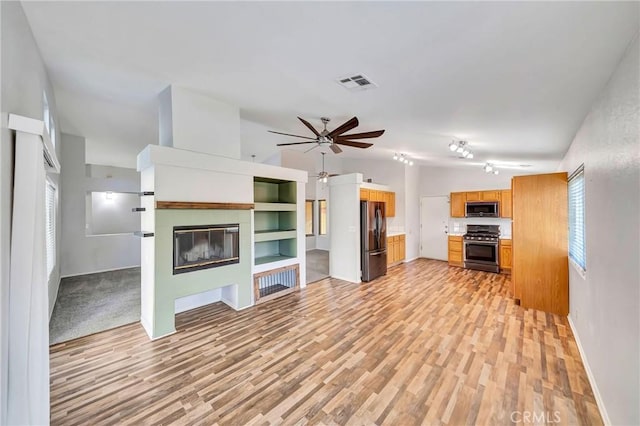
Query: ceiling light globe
(395, 156)
(411, 163)
(495, 172)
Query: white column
(28, 360)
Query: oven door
(481, 252)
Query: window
(46, 113)
(576, 218)
(50, 226)
(49, 123)
(322, 208)
(308, 217)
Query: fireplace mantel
(185, 205)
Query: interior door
(434, 227)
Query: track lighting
(490, 168)
(461, 148)
(403, 159)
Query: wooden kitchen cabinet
(505, 255)
(456, 203)
(388, 197)
(505, 203)
(473, 196)
(490, 195)
(455, 251)
(539, 248)
(390, 200)
(395, 249)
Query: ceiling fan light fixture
(395, 156)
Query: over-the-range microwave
(482, 209)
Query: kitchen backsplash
(458, 226)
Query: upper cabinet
(505, 203)
(502, 196)
(457, 203)
(389, 199)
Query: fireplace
(205, 246)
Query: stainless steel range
(481, 247)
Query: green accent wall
(169, 287)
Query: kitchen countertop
(393, 234)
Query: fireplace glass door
(202, 247)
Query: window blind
(50, 226)
(576, 218)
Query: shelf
(275, 207)
(274, 235)
(143, 234)
(270, 259)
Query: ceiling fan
(323, 176)
(335, 137)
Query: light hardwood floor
(427, 344)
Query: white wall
(444, 180)
(24, 78)
(110, 213)
(344, 217)
(412, 212)
(81, 253)
(194, 121)
(605, 304)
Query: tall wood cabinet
(539, 242)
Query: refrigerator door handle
(378, 253)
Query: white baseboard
(147, 329)
(99, 271)
(592, 380)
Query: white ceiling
(514, 79)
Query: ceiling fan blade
(309, 126)
(353, 123)
(313, 147)
(295, 136)
(335, 148)
(353, 144)
(294, 143)
(365, 135)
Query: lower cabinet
(505, 256)
(395, 249)
(455, 251)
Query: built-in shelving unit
(274, 220)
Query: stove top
(482, 233)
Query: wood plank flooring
(427, 344)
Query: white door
(434, 227)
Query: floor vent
(356, 82)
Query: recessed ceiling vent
(356, 82)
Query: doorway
(434, 227)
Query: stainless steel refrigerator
(373, 240)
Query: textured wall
(605, 304)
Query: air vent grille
(356, 82)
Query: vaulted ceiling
(513, 79)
